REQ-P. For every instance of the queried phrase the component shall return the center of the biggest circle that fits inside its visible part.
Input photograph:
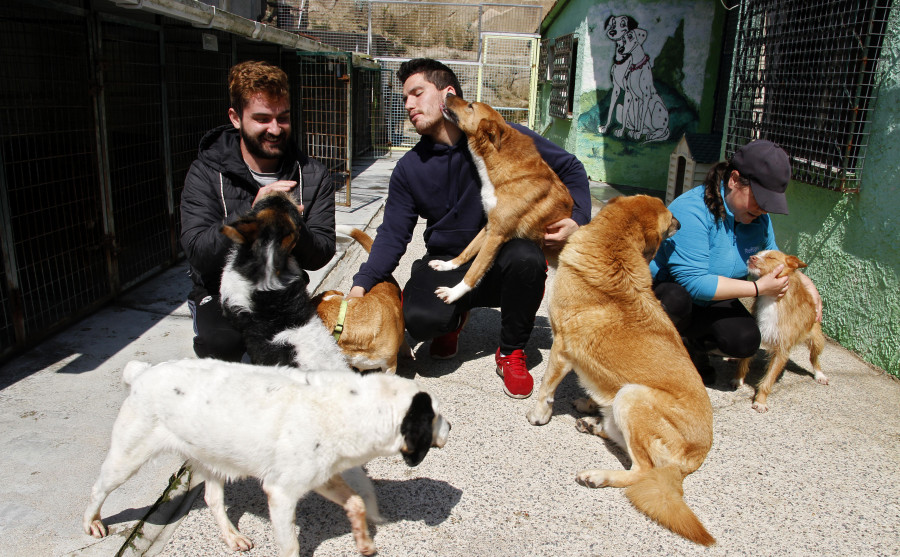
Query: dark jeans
(725, 325)
(514, 283)
(214, 335)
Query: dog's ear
(242, 231)
(288, 242)
(492, 131)
(640, 35)
(417, 429)
(794, 262)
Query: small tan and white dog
(373, 331)
(783, 323)
(520, 193)
(294, 430)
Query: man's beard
(268, 150)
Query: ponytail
(712, 195)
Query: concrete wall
(677, 36)
(852, 241)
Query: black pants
(515, 284)
(214, 335)
(724, 324)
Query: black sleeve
(316, 246)
(202, 217)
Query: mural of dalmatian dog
(649, 112)
(615, 29)
(642, 112)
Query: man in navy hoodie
(438, 181)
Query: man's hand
(280, 185)
(356, 292)
(557, 233)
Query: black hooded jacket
(219, 189)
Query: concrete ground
(816, 475)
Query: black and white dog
(264, 292)
(294, 430)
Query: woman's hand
(772, 285)
(814, 292)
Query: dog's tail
(133, 370)
(658, 494)
(361, 237)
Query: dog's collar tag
(339, 326)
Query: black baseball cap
(768, 168)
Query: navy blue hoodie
(440, 183)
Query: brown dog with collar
(372, 331)
(521, 194)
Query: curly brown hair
(251, 78)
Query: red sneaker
(444, 347)
(517, 382)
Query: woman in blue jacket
(700, 272)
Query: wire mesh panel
(446, 31)
(197, 93)
(52, 217)
(507, 79)
(134, 115)
(323, 98)
(370, 134)
(804, 77)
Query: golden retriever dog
(521, 194)
(372, 333)
(609, 327)
(783, 323)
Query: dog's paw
(238, 542)
(450, 295)
(737, 384)
(540, 413)
(586, 405)
(590, 425)
(618, 132)
(603, 129)
(760, 407)
(96, 528)
(821, 378)
(591, 478)
(439, 265)
(367, 548)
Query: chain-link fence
(491, 47)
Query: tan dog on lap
(520, 193)
(609, 328)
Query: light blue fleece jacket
(703, 249)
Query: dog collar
(339, 326)
(643, 63)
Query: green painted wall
(852, 241)
(679, 40)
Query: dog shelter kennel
(102, 111)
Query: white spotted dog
(293, 430)
(264, 291)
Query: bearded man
(238, 164)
